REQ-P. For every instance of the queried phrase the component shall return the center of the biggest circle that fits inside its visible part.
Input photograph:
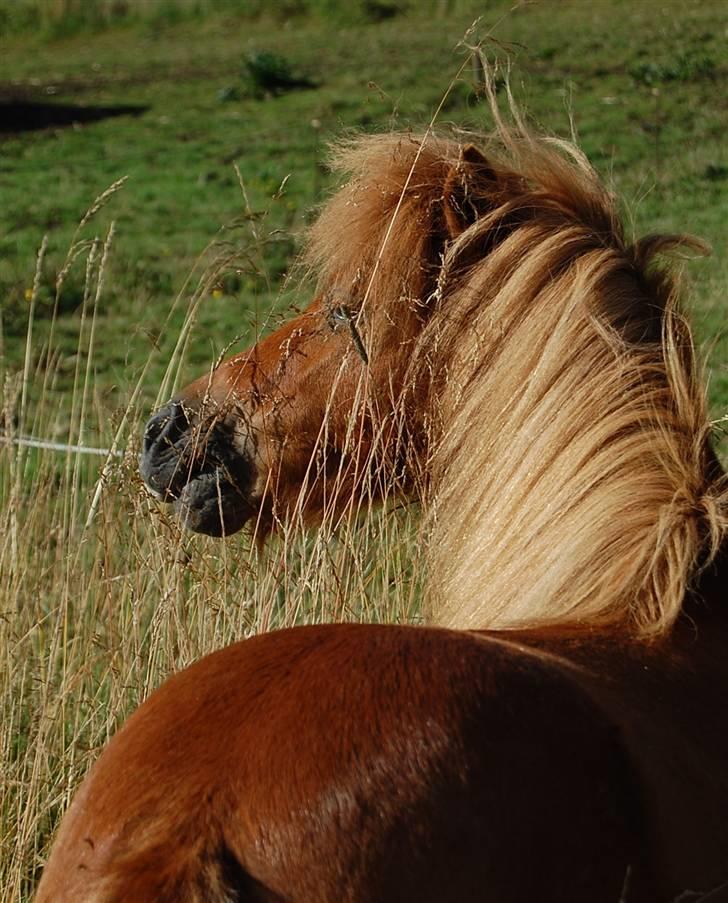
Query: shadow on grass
(18, 116)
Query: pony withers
(485, 340)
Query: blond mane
(570, 478)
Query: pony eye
(338, 315)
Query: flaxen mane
(569, 473)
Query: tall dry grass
(102, 595)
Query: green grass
(94, 615)
(641, 81)
(57, 18)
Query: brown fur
(403, 784)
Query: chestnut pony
(485, 339)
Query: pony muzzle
(197, 465)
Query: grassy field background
(100, 594)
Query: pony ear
(465, 186)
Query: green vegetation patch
(226, 123)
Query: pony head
(323, 410)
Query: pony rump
(553, 358)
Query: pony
(485, 339)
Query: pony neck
(571, 483)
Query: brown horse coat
(372, 763)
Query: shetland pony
(484, 338)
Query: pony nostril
(166, 427)
(151, 433)
(164, 449)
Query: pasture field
(101, 594)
